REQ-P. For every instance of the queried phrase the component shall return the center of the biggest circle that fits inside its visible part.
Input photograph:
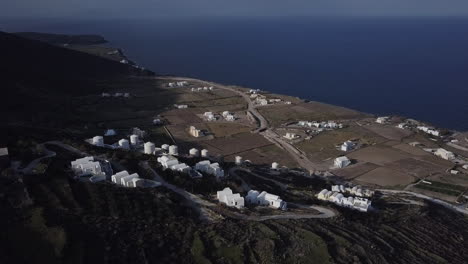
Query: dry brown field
(355, 170)
(386, 177)
(389, 131)
(378, 155)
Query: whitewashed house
(194, 152)
(347, 146)
(382, 119)
(238, 160)
(230, 199)
(324, 194)
(361, 204)
(266, 199)
(204, 153)
(98, 141)
(134, 140)
(124, 181)
(195, 132)
(275, 165)
(210, 168)
(116, 178)
(291, 136)
(173, 150)
(445, 154)
(167, 161)
(149, 148)
(342, 162)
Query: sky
(135, 9)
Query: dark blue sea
(411, 67)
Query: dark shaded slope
(39, 80)
(57, 69)
(58, 39)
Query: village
(231, 140)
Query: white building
(181, 167)
(181, 106)
(204, 153)
(275, 165)
(167, 161)
(230, 118)
(165, 147)
(98, 141)
(87, 166)
(173, 150)
(209, 116)
(194, 152)
(291, 136)
(445, 154)
(382, 119)
(134, 140)
(195, 132)
(347, 146)
(105, 95)
(126, 180)
(401, 125)
(238, 160)
(262, 101)
(124, 144)
(342, 162)
(230, 199)
(361, 204)
(210, 168)
(116, 178)
(157, 121)
(110, 132)
(149, 148)
(267, 199)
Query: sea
(413, 67)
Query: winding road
(263, 126)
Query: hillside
(39, 79)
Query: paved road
(194, 201)
(263, 128)
(447, 205)
(33, 164)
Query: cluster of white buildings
(210, 168)
(194, 132)
(322, 125)
(254, 91)
(291, 136)
(444, 154)
(227, 197)
(358, 203)
(210, 116)
(266, 199)
(355, 190)
(125, 95)
(177, 84)
(429, 130)
(347, 146)
(382, 119)
(228, 116)
(172, 163)
(202, 89)
(110, 133)
(125, 179)
(342, 162)
(230, 199)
